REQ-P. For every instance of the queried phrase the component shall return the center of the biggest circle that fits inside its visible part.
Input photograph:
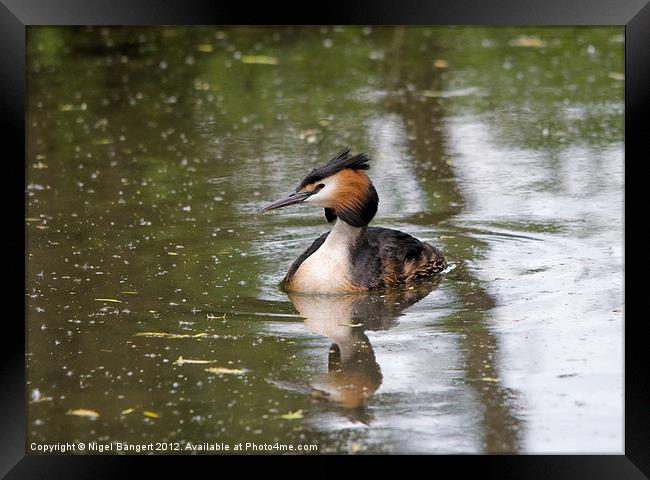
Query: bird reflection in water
(353, 374)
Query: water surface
(150, 151)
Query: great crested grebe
(353, 257)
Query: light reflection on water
(150, 153)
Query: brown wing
(389, 258)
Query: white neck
(328, 269)
(342, 233)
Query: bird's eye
(320, 186)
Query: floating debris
(530, 42)
(108, 300)
(311, 135)
(292, 415)
(83, 412)
(259, 60)
(183, 361)
(127, 411)
(461, 92)
(616, 76)
(171, 335)
(432, 93)
(201, 85)
(150, 414)
(38, 397)
(225, 371)
(440, 63)
(204, 47)
(490, 379)
(353, 325)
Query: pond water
(153, 307)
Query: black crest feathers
(330, 215)
(341, 161)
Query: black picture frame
(16, 15)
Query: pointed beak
(291, 199)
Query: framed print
(389, 230)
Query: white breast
(328, 269)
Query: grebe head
(341, 187)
